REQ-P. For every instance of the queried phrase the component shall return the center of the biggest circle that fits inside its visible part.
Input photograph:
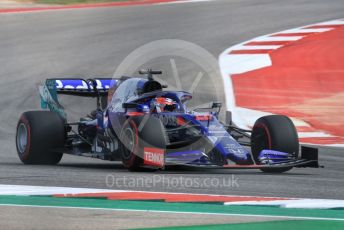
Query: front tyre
(275, 132)
(38, 134)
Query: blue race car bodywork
(143, 125)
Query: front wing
(309, 159)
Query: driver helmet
(165, 104)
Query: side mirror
(216, 105)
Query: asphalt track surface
(93, 42)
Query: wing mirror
(216, 105)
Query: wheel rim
(22, 138)
(129, 142)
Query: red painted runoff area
(172, 197)
(305, 81)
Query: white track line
(301, 203)
(276, 38)
(43, 190)
(314, 134)
(262, 47)
(336, 145)
(334, 22)
(241, 63)
(301, 30)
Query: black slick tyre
(38, 134)
(130, 150)
(275, 132)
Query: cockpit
(149, 92)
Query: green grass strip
(269, 225)
(170, 207)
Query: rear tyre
(38, 134)
(275, 132)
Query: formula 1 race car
(145, 126)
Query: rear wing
(81, 87)
(97, 87)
